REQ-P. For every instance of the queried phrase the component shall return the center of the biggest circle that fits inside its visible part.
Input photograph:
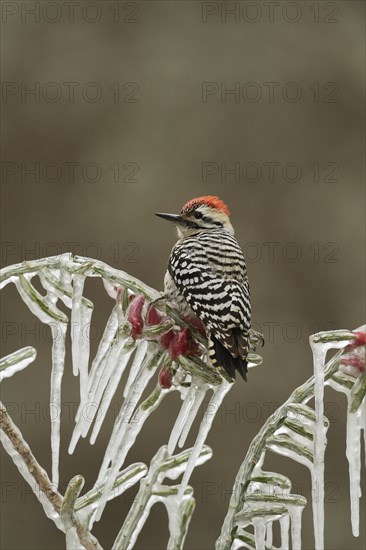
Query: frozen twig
(275, 423)
(22, 448)
(43, 482)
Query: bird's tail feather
(221, 357)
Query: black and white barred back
(207, 273)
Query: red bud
(352, 360)
(361, 338)
(195, 322)
(134, 315)
(153, 316)
(166, 339)
(165, 378)
(180, 343)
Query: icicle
(181, 418)
(84, 351)
(320, 343)
(284, 527)
(96, 373)
(76, 326)
(136, 365)
(122, 422)
(212, 408)
(319, 353)
(104, 345)
(45, 309)
(295, 515)
(198, 398)
(363, 424)
(105, 370)
(119, 349)
(123, 436)
(269, 534)
(260, 533)
(353, 452)
(58, 363)
(119, 368)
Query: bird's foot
(255, 338)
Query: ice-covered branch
(139, 339)
(294, 430)
(51, 500)
(144, 342)
(28, 460)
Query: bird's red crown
(208, 200)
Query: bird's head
(201, 214)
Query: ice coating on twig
(83, 421)
(80, 335)
(353, 452)
(23, 469)
(56, 279)
(317, 478)
(320, 343)
(205, 426)
(199, 395)
(17, 361)
(182, 417)
(113, 356)
(119, 367)
(118, 352)
(136, 365)
(291, 431)
(45, 309)
(152, 490)
(120, 442)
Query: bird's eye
(198, 214)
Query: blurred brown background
(131, 113)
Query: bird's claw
(255, 338)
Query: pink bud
(134, 315)
(165, 378)
(180, 343)
(353, 360)
(153, 316)
(166, 339)
(195, 322)
(361, 338)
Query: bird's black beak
(176, 218)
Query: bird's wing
(215, 285)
